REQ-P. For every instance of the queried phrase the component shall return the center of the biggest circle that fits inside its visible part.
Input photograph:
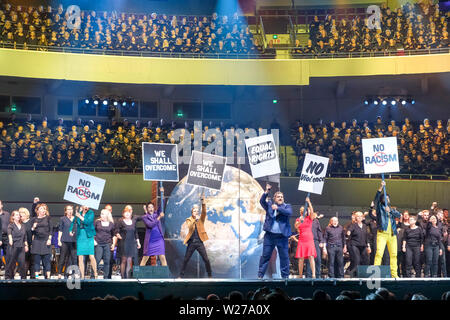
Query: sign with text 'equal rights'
(84, 189)
(206, 170)
(160, 161)
(262, 155)
(313, 174)
(380, 155)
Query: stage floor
(191, 288)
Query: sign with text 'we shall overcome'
(313, 174)
(84, 189)
(262, 155)
(380, 155)
(160, 161)
(206, 170)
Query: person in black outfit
(66, 241)
(334, 238)
(105, 241)
(27, 223)
(318, 243)
(433, 248)
(359, 240)
(42, 240)
(18, 245)
(4, 222)
(412, 246)
(129, 243)
(195, 237)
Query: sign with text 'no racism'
(206, 170)
(313, 173)
(84, 189)
(160, 161)
(262, 155)
(380, 155)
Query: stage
(191, 288)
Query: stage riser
(156, 289)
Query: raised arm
(203, 215)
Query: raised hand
(268, 187)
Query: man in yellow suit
(386, 229)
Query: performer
(195, 237)
(66, 241)
(104, 241)
(129, 243)
(4, 222)
(18, 245)
(83, 226)
(306, 247)
(386, 229)
(359, 242)
(154, 235)
(335, 248)
(319, 245)
(412, 246)
(433, 250)
(26, 222)
(41, 247)
(277, 231)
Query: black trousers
(412, 260)
(192, 247)
(15, 255)
(103, 252)
(29, 264)
(67, 256)
(431, 259)
(335, 262)
(360, 257)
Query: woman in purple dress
(154, 235)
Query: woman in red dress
(306, 247)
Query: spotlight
(132, 104)
(86, 101)
(402, 101)
(274, 101)
(384, 102)
(393, 102)
(376, 101)
(366, 102)
(96, 101)
(124, 104)
(115, 103)
(105, 102)
(413, 101)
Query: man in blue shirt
(277, 232)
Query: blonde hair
(108, 215)
(24, 211)
(195, 206)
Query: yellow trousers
(387, 238)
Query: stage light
(115, 103)
(132, 104)
(274, 101)
(13, 108)
(366, 102)
(275, 36)
(124, 104)
(86, 101)
(384, 102)
(376, 101)
(413, 101)
(402, 101)
(393, 102)
(105, 102)
(96, 102)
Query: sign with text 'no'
(84, 189)
(262, 155)
(160, 161)
(380, 155)
(313, 173)
(206, 170)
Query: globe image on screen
(234, 224)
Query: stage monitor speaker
(374, 272)
(151, 272)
